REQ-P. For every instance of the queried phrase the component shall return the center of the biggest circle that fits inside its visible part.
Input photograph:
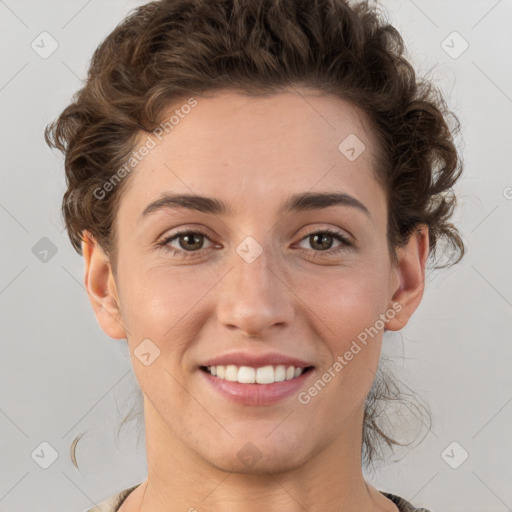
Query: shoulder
(402, 504)
(113, 503)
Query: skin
(251, 152)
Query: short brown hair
(168, 50)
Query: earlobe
(410, 270)
(100, 285)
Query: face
(256, 278)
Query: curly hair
(168, 50)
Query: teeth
(247, 375)
(231, 372)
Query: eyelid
(330, 229)
(189, 228)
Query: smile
(263, 386)
(263, 375)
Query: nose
(254, 297)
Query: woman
(256, 188)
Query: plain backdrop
(61, 375)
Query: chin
(263, 466)
(258, 456)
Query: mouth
(263, 375)
(261, 386)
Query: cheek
(347, 302)
(162, 302)
(347, 309)
(165, 306)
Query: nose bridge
(253, 298)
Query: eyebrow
(295, 203)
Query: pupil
(322, 237)
(188, 237)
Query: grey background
(61, 375)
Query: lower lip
(257, 394)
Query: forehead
(246, 150)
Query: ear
(100, 285)
(408, 278)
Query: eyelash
(346, 243)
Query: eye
(321, 241)
(189, 241)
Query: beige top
(113, 503)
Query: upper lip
(256, 360)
